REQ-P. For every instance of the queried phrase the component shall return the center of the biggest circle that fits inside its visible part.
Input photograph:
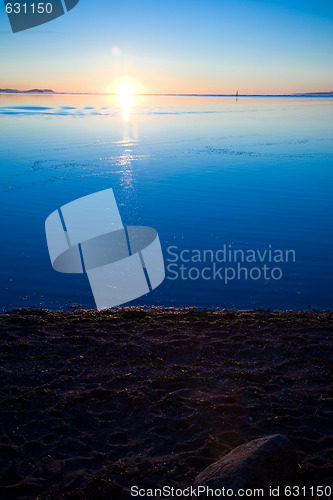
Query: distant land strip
(49, 91)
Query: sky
(212, 47)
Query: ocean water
(211, 175)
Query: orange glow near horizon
(166, 84)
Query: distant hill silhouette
(317, 94)
(49, 91)
(32, 91)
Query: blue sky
(176, 46)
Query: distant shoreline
(52, 92)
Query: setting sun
(125, 88)
(125, 91)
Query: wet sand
(93, 403)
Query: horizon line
(167, 94)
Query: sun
(126, 96)
(125, 88)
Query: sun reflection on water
(126, 98)
(126, 102)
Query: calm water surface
(207, 173)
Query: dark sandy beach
(93, 403)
